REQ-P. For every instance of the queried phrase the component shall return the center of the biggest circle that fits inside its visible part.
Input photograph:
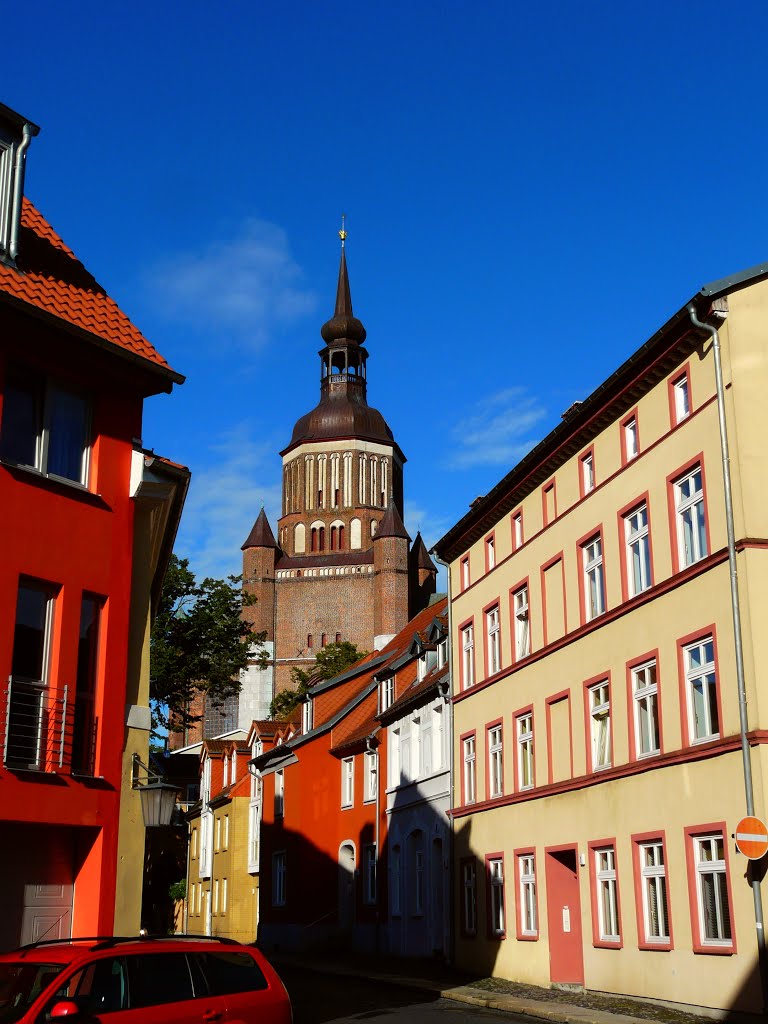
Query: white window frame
(225, 833)
(517, 529)
(638, 550)
(718, 921)
(594, 578)
(468, 655)
(371, 767)
(490, 553)
(386, 693)
(493, 639)
(587, 473)
(495, 739)
(395, 758)
(526, 865)
(279, 793)
(645, 708)
(347, 782)
(631, 446)
(521, 612)
(469, 760)
(609, 927)
(465, 578)
(496, 924)
(306, 715)
(701, 677)
(653, 875)
(681, 390)
(525, 766)
(690, 515)
(279, 873)
(600, 724)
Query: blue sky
(530, 190)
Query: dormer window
(15, 135)
(442, 653)
(306, 716)
(225, 778)
(422, 666)
(386, 693)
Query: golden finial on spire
(343, 233)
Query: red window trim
(526, 851)
(550, 485)
(691, 833)
(488, 727)
(631, 415)
(672, 381)
(464, 561)
(637, 839)
(461, 627)
(681, 471)
(525, 582)
(621, 515)
(601, 844)
(581, 543)
(528, 710)
(488, 917)
(634, 663)
(602, 677)
(584, 455)
(543, 569)
(555, 698)
(466, 736)
(682, 642)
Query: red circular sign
(752, 838)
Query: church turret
(259, 556)
(423, 575)
(390, 570)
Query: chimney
(15, 136)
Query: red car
(175, 980)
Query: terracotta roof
(52, 279)
(415, 690)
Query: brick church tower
(341, 567)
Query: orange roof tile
(51, 278)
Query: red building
(325, 805)
(87, 519)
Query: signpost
(752, 837)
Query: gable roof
(52, 282)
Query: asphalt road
(329, 999)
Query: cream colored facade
(616, 868)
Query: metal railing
(42, 729)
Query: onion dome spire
(343, 325)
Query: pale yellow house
(598, 774)
(222, 879)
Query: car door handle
(211, 1015)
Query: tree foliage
(199, 642)
(330, 661)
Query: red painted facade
(63, 737)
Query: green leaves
(330, 661)
(199, 642)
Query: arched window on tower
(362, 464)
(355, 534)
(374, 527)
(347, 486)
(299, 539)
(374, 495)
(337, 535)
(321, 460)
(383, 483)
(309, 641)
(309, 481)
(323, 639)
(335, 481)
(317, 537)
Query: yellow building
(598, 767)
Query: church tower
(342, 480)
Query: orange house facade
(87, 518)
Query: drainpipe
(451, 897)
(18, 189)
(737, 634)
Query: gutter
(27, 132)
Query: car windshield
(21, 982)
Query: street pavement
(349, 987)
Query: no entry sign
(752, 838)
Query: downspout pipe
(371, 749)
(451, 891)
(18, 188)
(737, 633)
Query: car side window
(230, 972)
(98, 988)
(155, 978)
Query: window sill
(714, 950)
(71, 487)
(528, 937)
(662, 946)
(608, 943)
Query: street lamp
(158, 798)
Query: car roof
(66, 951)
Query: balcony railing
(42, 729)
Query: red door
(566, 957)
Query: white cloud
(225, 496)
(247, 285)
(497, 431)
